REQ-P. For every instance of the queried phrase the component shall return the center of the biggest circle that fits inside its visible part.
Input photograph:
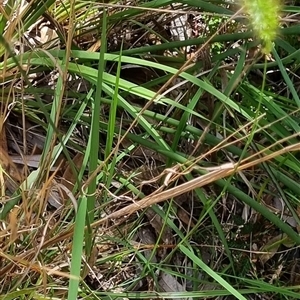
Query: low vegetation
(149, 149)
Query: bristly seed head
(264, 17)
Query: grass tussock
(149, 150)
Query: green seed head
(264, 17)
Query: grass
(131, 168)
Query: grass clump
(137, 163)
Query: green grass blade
(210, 272)
(77, 247)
